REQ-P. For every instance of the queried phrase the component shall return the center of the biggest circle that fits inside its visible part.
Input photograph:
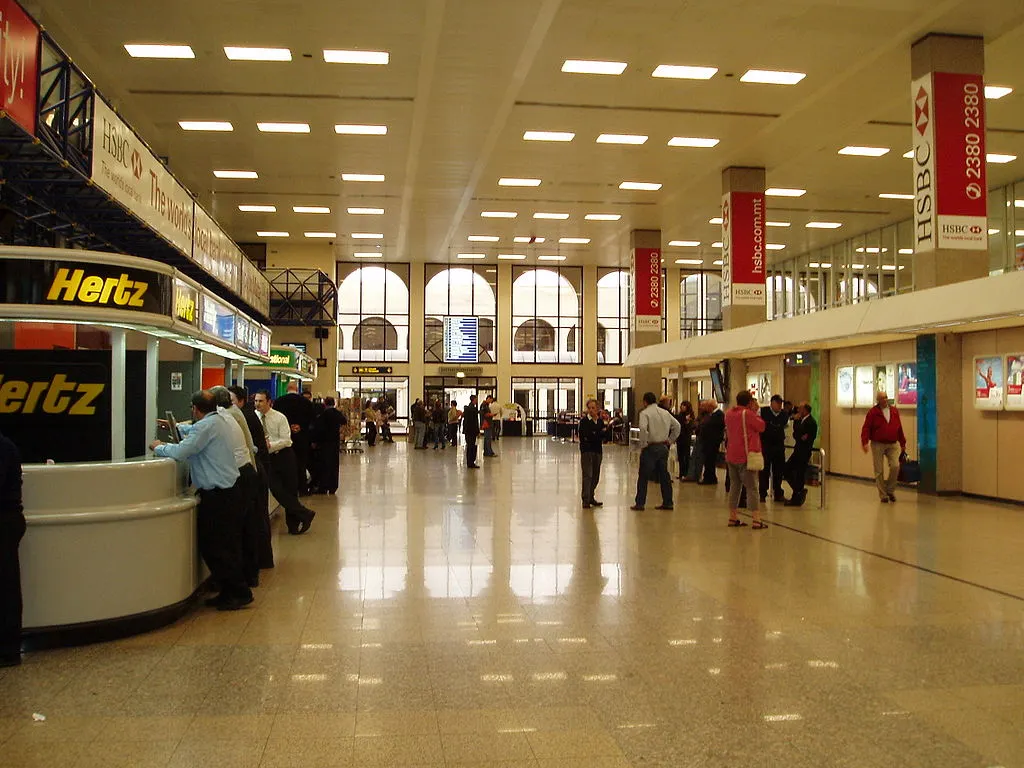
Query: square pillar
(645, 304)
(744, 248)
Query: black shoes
(892, 497)
(596, 503)
(10, 659)
(665, 507)
(223, 602)
(637, 508)
(586, 505)
(303, 525)
(473, 466)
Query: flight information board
(461, 339)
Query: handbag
(755, 459)
(910, 470)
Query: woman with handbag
(743, 427)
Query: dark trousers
(774, 469)
(11, 533)
(371, 433)
(683, 455)
(220, 519)
(796, 474)
(265, 546)
(249, 485)
(300, 444)
(385, 432)
(453, 433)
(470, 450)
(591, 463)
(654, 466)
(282, 480)
(328, 471)
(710, 462)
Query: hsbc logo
(136, 164)
(922, 109)
(976, 230)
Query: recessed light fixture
(906, 251)
(690, 262)
(823, 225)
(678, 72)
(311, 209)
(643, 186)
(258, 208)
(551, 258)
(356, 57)
(589, 67)
(717, 244)
(147, 51)
(871, 249)
(785, 192)
(205, 125)
(365, 211)
(865, 151)
(512, 256)
(498, 214)
(996, 158)
(772, 77)
(1018, 203)
(368, 255)
(684, 243)
(362, 177)
(237, 53)
(532, 240)
(552, 216)
(548, 136)
(909, 155)
(264, 233)
(603, 216)
(895, 196)
(367, 236)
(997, 91)
(775, 247)
(621, 138)
(778, 224)
(283, 127)
(715, 220)
(718, 262)
(692, 141)
(236, 174)
(361, 130)
(993, 231)
(471, 256)
(513, 182)
(574, 240)
(483, 238)
(320, 234)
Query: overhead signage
(215, 252)
(455, 370)
(254, 286)
(461, 340)
(19, 50)
(369, 370)
(645, 289)
(280, 358)
(744, 265)
(186, 303)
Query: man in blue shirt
(208, 448)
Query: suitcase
(910, 471)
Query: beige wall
(992, 439)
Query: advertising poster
(906, 386)
(1015, 382)
(864, 386)
(885, 380)
(760, 386)
(844, 386)
(988, 383)
(743, 249)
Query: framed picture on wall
(906, 384)
(988, 383)
(885, 379)
(760, 386)
(844, 386)
(1015, 382)
(864, 386)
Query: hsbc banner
(645, 282)
(216, 252)
(19, 49)
(743, 249)
(950, 189)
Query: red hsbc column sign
(19, 51)
(951, 195)
(646, 289)
(743, 249)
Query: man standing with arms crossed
(658, 430)
(883, 430)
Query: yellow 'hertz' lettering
(185, 307)
(74, 285)
(54, 396)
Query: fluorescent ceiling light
(483, 238)
(258, 208)
(498, 214)
(871, 249)
(236, 174)
(1018, 203)
(996, 158)
(283, 127)
(718, 262)
(366, 211)
(534, 240)
(690, 262)
(909, 155)
(858, 266)
(574, 240)
(778, 223)
(362, 130)
(677, 72)
(552, 216)
(271, 234)
(362, 177)
(477, 256)
(997, 91)
(548, 136)
(1019, 232)
(368, 255)
(864, 151)
(513, 182)
(621, 138)
(895, 196)
(785, 192)
(236, 53)
(587, 67)
(775, 247)
(692, 141)
(356, 57)
(551, 258)
(146, 51)
(906, 251)
(715, 220)
(717, 244)
(205, 125)
(684, 243)
(512, 256)
(320, 234)
(823, 225)
(603, 216)
(772, 77)
(645, 186)
(311, 209)
(367, 236)
(993, 231)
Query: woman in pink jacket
(743, 418)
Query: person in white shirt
(658, 430)
(282, 475)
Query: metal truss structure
(302, 297)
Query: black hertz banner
(84, 284)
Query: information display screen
(461, 339)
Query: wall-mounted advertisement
(1015, 382)
(906, 384)
(844, 386)
(988, 383)
(760, 386)
(864, 386)
(885, 380)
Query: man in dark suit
(805, 430)
(471, 429)
(299, 412)
(12, 528)
(712, 434)
(259, 541)
(773, 446)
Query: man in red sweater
(883, 431)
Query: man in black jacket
(773, 446)
(592, 435)
(805, 430)
(12, 529)
(471, 429)
(299, 412)
(711, 436)
(257, 545)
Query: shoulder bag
(755, 459)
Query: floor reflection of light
(481, 642)
(715, 671)
(359, 680)
(496, 678)
(772, 635)
(316, 646)
(511, 618)
(698, 618)
(543, 677)
(573, 640)
(777, 665)
(682, 642)
(626, 726)
(549, 623)
(819, 664)
(371, 645)
(517, 730)
(599, 678)
(716, 640)
(309, 678)
(788, 717)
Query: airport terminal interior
(545, 204)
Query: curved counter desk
(110, 550)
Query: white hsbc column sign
(951, 196)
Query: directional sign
(461, 339)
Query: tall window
(373, 312)
(546, 398)
(612, 316)
(700, 303)
(547, 315)
(459, 292)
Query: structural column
(939, 413)
(645, 303)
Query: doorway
(797, 383)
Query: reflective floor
(440, 617)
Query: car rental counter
(110, 549)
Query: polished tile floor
(439, 617)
